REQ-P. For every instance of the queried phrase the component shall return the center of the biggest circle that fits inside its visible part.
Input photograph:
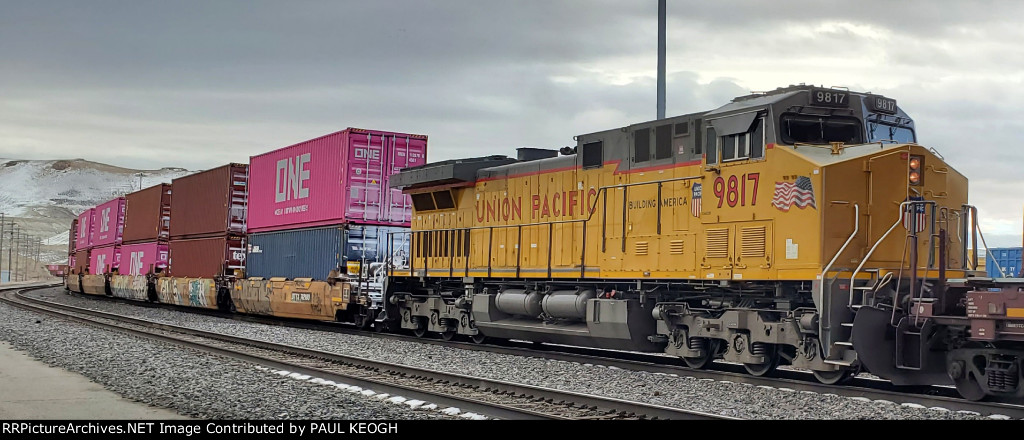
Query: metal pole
(10, 249)
(1, 241)
(17, 252)
(661, 59)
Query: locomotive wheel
(702, 362)
(835, 377)
(969, 388)
(478, 338)
(420, 330)
(448, 335)
(768, 366)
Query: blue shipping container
(315, 252)
(1009, 259)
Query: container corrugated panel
(1009, 259)
(72, 237)
(315, 252)
(209, 203)
(371, 243)
(143, 258)
(108, 219)
(84, 236)
(104, 259)
(206, 257)
(81, 261)
(148, 214)
(337, 178)
(304, 253)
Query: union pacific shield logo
(695, 200)
(915, 216)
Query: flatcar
(802, 226)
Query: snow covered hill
(43, 196)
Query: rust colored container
(148, 215)
(212, 257)
(81, 262)
(210, 203)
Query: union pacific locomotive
(802, 226)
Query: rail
(490, 396)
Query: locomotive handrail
(590, 215)
(856, 229)
(826, 300)
(875, 246)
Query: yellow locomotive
(758, 233)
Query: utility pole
(10, 250)
(2, 243)
(661, 59)
(39, 246)
(20, 241)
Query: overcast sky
(195, 84)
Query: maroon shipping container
(338, 178)
(72, 235)
(210, 203)
(81, 262)
(148, 214)
(206, 257)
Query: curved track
(861, 387)
(490, 397)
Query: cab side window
(711, 148)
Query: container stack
(107, 229)
(324, 205)
(72, 232)
(207, 223)
(144, 246)
(83, 241)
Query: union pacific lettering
(543, 206)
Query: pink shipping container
(108, 223)
(143, 258)
(338, 178)
(104, 259)
(83, 239)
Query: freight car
(309, 257)
(802, 226)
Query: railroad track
(498, 399)
(859, 388)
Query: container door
(404, 152)
(365, 176)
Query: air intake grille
(752, 240)
(717, 244)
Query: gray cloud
(196, 84)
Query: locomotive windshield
(820, 129)
(880, 131)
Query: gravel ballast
(191, 382)
(718, 397)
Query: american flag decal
(799, 193)
(914, 215)
(695, 200)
